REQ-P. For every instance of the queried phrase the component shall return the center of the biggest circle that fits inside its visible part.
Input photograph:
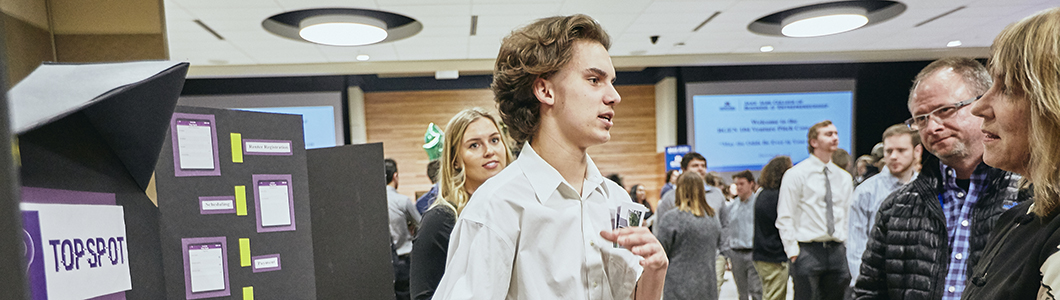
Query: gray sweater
(691, 244)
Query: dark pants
(820, 271)
(401, 275)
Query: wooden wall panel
(25, 47)
(399, 120)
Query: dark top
(1019, 252)
(427, 261)
(908, 252)
(767, 244)
(425, 201)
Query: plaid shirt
(957, 205)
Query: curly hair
(538, 50)
(774, 171)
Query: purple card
(267, 147)
(194, 145)
(274, 202)
(265, 263)
(205, 267)
(209, 205)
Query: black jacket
(907, 254)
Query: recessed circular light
(362, 57)
(341, 30)
(826, 18)
(824, 22)
(953, 43)
(766, 48)
(342, 26)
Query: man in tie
(812, 218)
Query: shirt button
(959, 256)
(592, 243)
(949, 172)
(594, 284)
(964, 223)
(960, 194)
(952, 289)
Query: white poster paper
(195, 144)
(275, 203)
(207, 267)
(85, 251)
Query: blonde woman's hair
(691, 195)
(1025, 58)
(451, 192)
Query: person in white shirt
(812, 218)
(541, 228)
(403, 217)
(901, 147)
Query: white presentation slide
(195, 144)
(275, 203)
(207, 268)
(744, 131)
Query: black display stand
(106, 142)
(351, 240)
(182, 217)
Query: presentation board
(742, 125)
(236, 221)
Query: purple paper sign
(192, 122)
(34, 255)
(209, 205)
(265, 263)
(271, 214)
(267, 147)
(206, 243)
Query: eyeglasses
(918, 122)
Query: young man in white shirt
(541, 229)
(812, 218)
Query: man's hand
(793, 258)
(640, 241)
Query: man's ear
(918, 151)
(543, 91)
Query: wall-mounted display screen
(742, 125)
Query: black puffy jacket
(907, 254)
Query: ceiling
(446, 43)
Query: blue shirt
(738, 222)
(957, 205)
(425, 201)
(867, 199)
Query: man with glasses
(928, 233)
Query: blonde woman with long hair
(1021, 128)
(476, 148)
(691, 236)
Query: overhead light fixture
(826, 18)
(342, 30)
(362, 57)
(766, 48)
(826, 21)
(342, 26)
(953, 43)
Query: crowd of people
(959, 202)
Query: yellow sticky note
(244, 252)
(237, 148)
(248, 293)
(241, 200)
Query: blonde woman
(691, 236)
(1021, 128)
(476, 148)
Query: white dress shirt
(527, 234)
(801, 209)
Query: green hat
(433, 141)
